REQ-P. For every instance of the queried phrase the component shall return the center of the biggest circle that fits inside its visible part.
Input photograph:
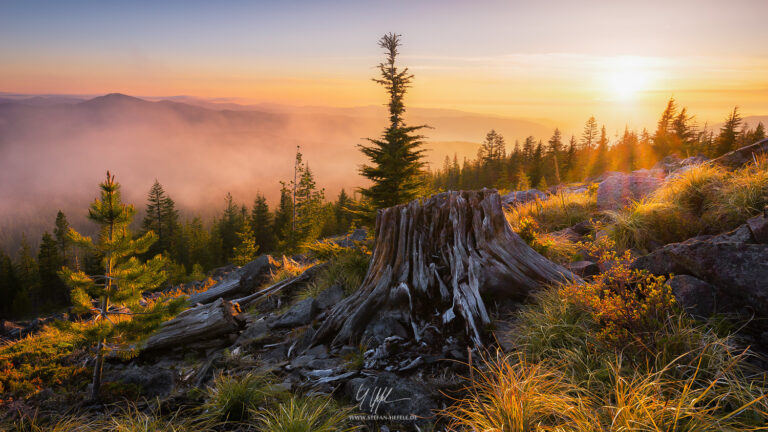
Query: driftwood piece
(432, 263)
(200, 327)
(237, 282)
(259, 296)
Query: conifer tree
(261, 223)
(396, 157)
(162, 218)
(200, 244)
(600, 162)
(759, 133)
(309, 205)
(247, 250)
(231, 222)
(53, 290)
(60, 231)
(283, 213)
(28, 297)
(493, 148)
(589, 136)
(9, 285)
(123, 276)
(726, 141)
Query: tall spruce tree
(27, 299)
(493, 148)
(60, 231)
(396, 158)
(726, 141)
(53, 290)
(123, 277)
(9, 285)
(162, 218)
(589, 135)
(231, 222)
(262, 224)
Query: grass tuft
(304, 414)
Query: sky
(559, 61)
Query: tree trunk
(433, 263)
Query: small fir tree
(123, 276)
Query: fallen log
(237, 282)
(433, 262)
(259, 296)
(200, 327)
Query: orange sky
(552, 61)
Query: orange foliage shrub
(630, 305)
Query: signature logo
(371, 399)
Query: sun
(626, 77)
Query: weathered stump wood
(238, 282)
(432, 263)
(259, 296)
(200, 327)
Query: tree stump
(433, 262)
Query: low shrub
(551, 246)
(347, 266)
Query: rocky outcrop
(734, 263)
(620, 188)
(742, 156)
(237, 282)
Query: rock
(584, 268)
(388, 394)
(697, 297)
(318, 351)
(522, 197)
(200, 327)
(738, 269)
(301, 361)
(619, 189)
(567, 234)
(253, 332)
(742, 156)
(758, 225)
(298, 315)
(153, 381)
(237, 282)
(330, 297)
(584, 227)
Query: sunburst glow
(627, 76)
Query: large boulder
(743, 156)
(237, 282)
(619, 189)
(735, 263)
(697, 297)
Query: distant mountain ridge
(54, 150)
